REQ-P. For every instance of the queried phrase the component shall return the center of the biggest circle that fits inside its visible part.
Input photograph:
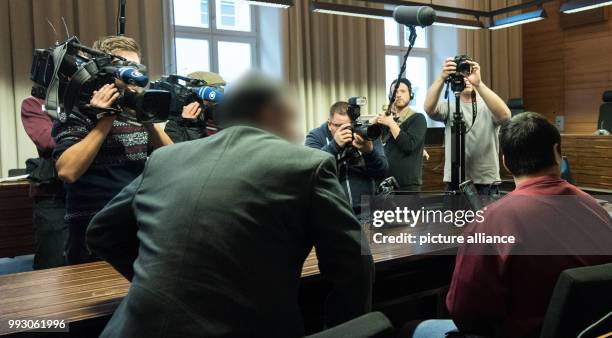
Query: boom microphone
(133, 76)
(209, 94)
(414, 15)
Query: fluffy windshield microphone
(414, 15)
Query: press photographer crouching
(361, 158)
(404, 138)
(483, 112)
(104, 129)
(195, 99)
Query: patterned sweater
(119, 161)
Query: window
(418, 64)
(215, 35)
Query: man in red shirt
(504, 290)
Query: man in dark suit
(214, 233)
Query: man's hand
(343, 135)
(105, 96)
(475, 78)
(192, 111)
(366, 147)
(385, 120)
(425, 155)
(448, 68)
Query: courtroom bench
(16, 228)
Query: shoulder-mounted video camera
(464, 68)
(185, 90)
(67, 74)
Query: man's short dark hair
(527, 142)
(246, 98)
(340, 107)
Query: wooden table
(84, 294)
(16, 229)
(590, 159)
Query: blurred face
(468, 87)
(280, 118)
(128, 55)
(402, 97)
(337, 121)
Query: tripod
(457, 145)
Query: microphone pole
(411, 40)
(121, 16)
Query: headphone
(404, 81)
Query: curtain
(329, 58)
(24, 27)
(499, 52)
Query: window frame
(213, 35)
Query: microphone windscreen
(414, 15)
(131, 75)
(207, 93)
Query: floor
(17, 264)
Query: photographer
(97, 158)
(404, 138)
(358, 177)
(191, 125)
(46, 189)
(483, 113)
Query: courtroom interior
(306, 168)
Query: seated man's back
(224, 226)
(503, 290)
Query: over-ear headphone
(404, 81)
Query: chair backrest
(16, 172)
(371, 325)
(581, 297)
(599, 328)
(605, 112)
(516, 106)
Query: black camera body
(67, 75)
(464, 68)
(184, 90)
(364, 129)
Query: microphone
(131, 75)
(414, 15)
(209, 94)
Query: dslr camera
(365, 129)
(464, 68)
(67, 74)
(184, 90)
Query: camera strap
(52, 97)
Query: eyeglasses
(337, 125)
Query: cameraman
(190, 125)
(97, 158)
(360, 176)
(483, 113)
(404, 138)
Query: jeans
(434, 328)
(50, 232)
(76, 247)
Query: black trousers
(50, 232)
(77, 251)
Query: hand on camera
(191, 111)
(448, 68)
(362, 145)
(385, 120)
(474, 77)
(343, 135)
(105, 96)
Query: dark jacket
(182, 130)
(357, 179)
(216, 248)
(405, 153)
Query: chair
(605, 112)
(599, 328)
(16, 172)
(371, 325)
(581, 297)
(516, 106)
